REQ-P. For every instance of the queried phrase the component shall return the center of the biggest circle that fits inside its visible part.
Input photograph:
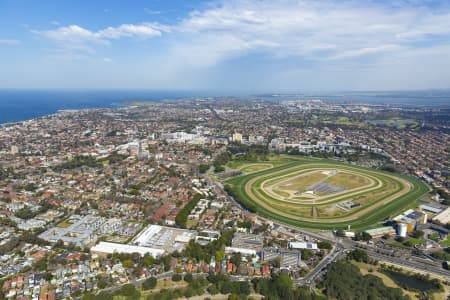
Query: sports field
(323, 194)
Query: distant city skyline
(285, 45)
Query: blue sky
(254, 45)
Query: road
(417, 264)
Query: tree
(127, 263)
(236, 259)
(225, 287)
(220, 255)
(203, 168)
(48, 276)
(129, 291)
(149, 283)
(400, 239)
(417, 234)
(102, 283)
(183, 214)
(244, 288)
(41, 265)
(283, 284)
(247, 224)
(212, 289)
(324, 245)
(221, 160)
(189, 292)
(362, 236)
(7, 222)
(340, 233)
(176, 277)
(344, 281)
(307, 254)
(359, 255)
(188, 277)
(25, 213)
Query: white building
(302, 245)
(166, 238)
(244, 251)
(104, 248)
(442, 218)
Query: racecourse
(311, 193)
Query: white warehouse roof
(303, 245)
(230, 250)
(110, 248)
(443, 217)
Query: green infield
(323, 194)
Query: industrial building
(105, 248)
(248, 241)
(166, 238)
(81, 232)
(379, 232)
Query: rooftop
(110, 248)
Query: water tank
(402, 229)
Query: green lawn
(414, 241)
(446, 243)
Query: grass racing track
(387, 194)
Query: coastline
(24, 105)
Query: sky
(252, 45)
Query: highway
(432, 268)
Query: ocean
(19, 105)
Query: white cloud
(9, 42)
(292, 41)
(77, 38)
(145, 30)
(366, 51)
(312, 30)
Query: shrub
(149, 283)
(176, 277)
